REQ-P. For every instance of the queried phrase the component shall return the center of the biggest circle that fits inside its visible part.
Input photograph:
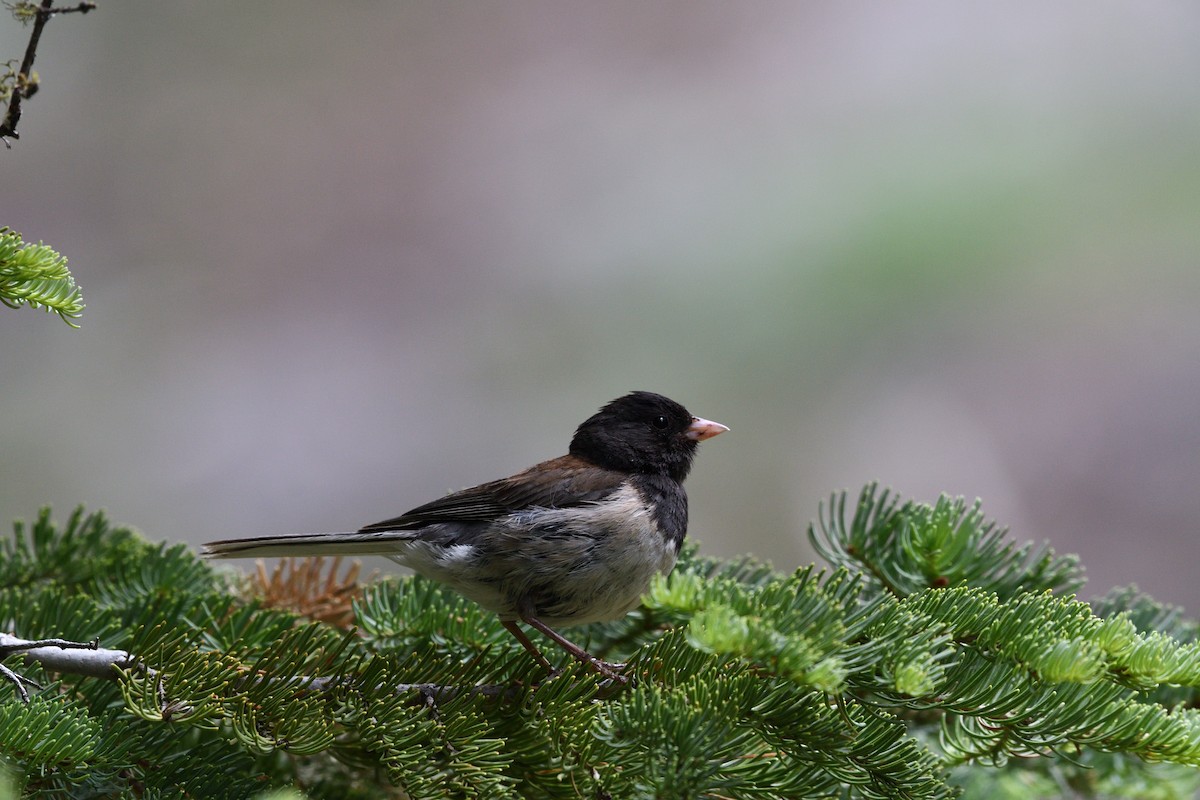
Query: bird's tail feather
(306, 544)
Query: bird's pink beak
(702, 429)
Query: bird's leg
(516, 631)
(581, 655)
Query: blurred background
(341, 258)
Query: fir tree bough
(37, 276)
(935, 659)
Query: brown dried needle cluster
(311, 587)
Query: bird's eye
(660, 422)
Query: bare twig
(19, 681)
(60, 655)
(26, 84)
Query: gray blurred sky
(340, 258)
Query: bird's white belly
(576, 565)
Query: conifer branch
(37, 276)
(746, 683)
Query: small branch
(25, 84)
(60, 655)
(19, 681)
(91, 660)
(432, 693)
(873, 569)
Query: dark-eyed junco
(572, 540)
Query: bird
(569, 541)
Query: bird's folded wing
(560, 483)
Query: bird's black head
(645, 433)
